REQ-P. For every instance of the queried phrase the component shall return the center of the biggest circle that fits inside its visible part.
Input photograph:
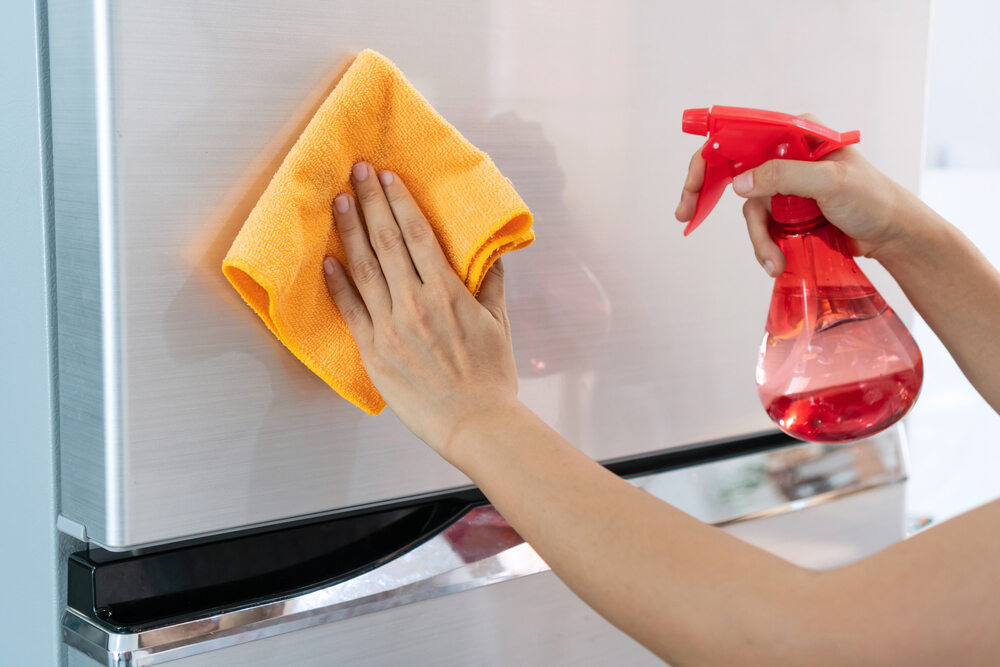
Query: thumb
(788, 177)
(491, 293)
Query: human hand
(853, 195)
(439, 356)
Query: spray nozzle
(740, 139)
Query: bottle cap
(791, 209)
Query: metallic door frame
(727, 491)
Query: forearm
(689, 592)
(953, 287)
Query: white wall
(964, 85)
(954, 433)
(32, 598)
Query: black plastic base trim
(165, 585)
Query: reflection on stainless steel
(560, 313)
(481, 533)
(481, 549)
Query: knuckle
(376, 364)
(389, 341)
(755, 214)
(418, 313)
(836, 176)
(368, 197)
(445, 293)
(411, 306)
(348, 225)
(769, 174)
(341, 291)
(499, 313)
(353, 313)
(420, 325)
(420, 317)
(387, 239)
(436, 292)
(416, 228)
(394, 194)
(366, 271)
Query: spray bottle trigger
(711, 193)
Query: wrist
(915, 228)
(472, 425)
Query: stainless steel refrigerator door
(181, 415)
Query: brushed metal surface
(187, 417)
(78, 275)
(480, 549)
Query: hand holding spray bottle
(836, 363)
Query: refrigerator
(226, 507)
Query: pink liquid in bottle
(836, 363)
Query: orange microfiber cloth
(373, 114)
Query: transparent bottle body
(836, 363)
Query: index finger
(692, 186)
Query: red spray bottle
(836, 363)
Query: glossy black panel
(159, 586)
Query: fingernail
(769, 267)
(328, 266)
(385, 178)
(743, 183)
(360, 171)
(342, 203)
